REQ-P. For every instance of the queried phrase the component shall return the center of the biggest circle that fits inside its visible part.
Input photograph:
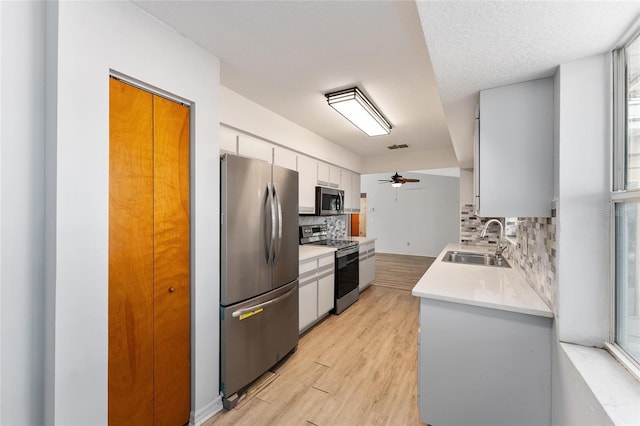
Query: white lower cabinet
(367, 264)
(493, 363)
(316, 290)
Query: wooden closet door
(149, 259)
(130, 255)
(171, 263)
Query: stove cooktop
(317, 235)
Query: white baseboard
(205, 413)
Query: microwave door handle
(341, 206)
(278, 246)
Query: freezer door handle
(279, 221)
(249, 309)
(270, 234)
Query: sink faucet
(500, 247)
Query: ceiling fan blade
(412, 180)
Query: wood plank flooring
(400, 271)
(357, 368)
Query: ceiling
(285, 55)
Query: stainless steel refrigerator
(258, 271)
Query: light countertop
(486, 286)
(309, 251)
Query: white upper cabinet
(355, 193)
(228, 141)
(307, 180)
(329, 175)
(255, 148)
(334, 176)
(345, 185)
(285, 158)
(323, 174)
(514, 151)
(311, 172)
(350, 183)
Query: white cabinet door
(355, 190)
(285, 158)
(255, 148)
(326, 290)
(362, 267)
(307, 181)
(308, 302)
(323, 174)
(334, 176)
(228, 141)
(371, 267)
(515, 150)
(326, 284)
(345, 185)
(367, 264)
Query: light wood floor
(400, 271)
(357, 368)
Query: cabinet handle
(171, 289)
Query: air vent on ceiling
(404, 145)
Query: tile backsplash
(471, 227)
(336, 225)
(535, 254)
(533, 250)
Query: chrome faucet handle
(500, 248)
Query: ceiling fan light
(356, 108)
(396, 184)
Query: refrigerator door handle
(279, 238)
(270, 235)
(253, 308)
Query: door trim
(151, 89)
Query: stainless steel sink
(470, 258)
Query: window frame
(619, 193)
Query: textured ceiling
(285, 55)
(482, 44)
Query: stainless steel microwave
(329, 201)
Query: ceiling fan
(397, 180)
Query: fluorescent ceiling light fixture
(356, 108)
(396, 184)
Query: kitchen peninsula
(484, 349)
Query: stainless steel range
(347, 273)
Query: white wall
(244, 114)
(22, 212)
(583, 101)
(94, 38)
(583, 209)
(466, 186)
(425, 217)
(573, 403)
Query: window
(626, 199)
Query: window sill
(613, 386)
